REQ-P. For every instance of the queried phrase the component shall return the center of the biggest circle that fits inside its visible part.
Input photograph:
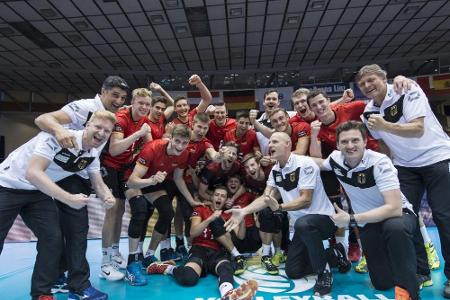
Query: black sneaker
(240, 265)
(323, 284)
(344, 264)
(169, 254)
(182, 251)
(60, 286)
(266, 262)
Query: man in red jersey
(220, 125)
(243, 135)
(207, 254)
(298, 132)
(130, 132)
(161, 109)
(156, 164)
(183, 113)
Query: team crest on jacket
(393, 111)
(292, 177)
(361, 178)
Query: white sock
(266, 249)
(235, 252)
(224, 288)
(169, 270)
(277, 249)
(115, 249)
(344, 241)
(141, 247)
(149, 252)
(424, 232)
(165, 244)
(106, 256)
(327, 267)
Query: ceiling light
(81, 25)
(157, 19)
(171, 3)
(236, 12)
(318, 4)
(180, 29)
(47, 12)
(292, 20)
(6, 31)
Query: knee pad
(165, 213)
(138, 206)
(269, 222)
(185, 276)
(217, 227)
(225, 272)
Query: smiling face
(157, 110)
(97, 132)
(352, 144)
(301, 105)
(271, 102)
(252, 168)
(182, 108)
(233, 185)
(220, 115)
(320, 105)
(140, 106)
(230, 157)
(373, 86)
(113, 99)
(218, 198)
(279, 121)
(177, 145)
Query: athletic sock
(235, 252)
(115, 249)
(165, 244)
(266, 249)
(149, 252)
(224, 288)
(141, 247)
(135, 256)
(106, 257)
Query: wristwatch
(353, 221)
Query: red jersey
(196, 151)
(246, 143)
(157, 128)
(190, 120)
(127, 126)
(299, 130)
(244, 200)
(154, 156)
(216, 133)
(298, 119)
(206, 239)
(213, 174)
(344, 112)
(257, 187)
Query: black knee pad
(269, 221)
(225, 272)
(165, 213)
(138, 206)
(217, 227)
(185, 276)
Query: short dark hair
(159, 99)
(238, 176)
(179, 98)
(201, 117)
(350, 125)
(115, 81)
(315, 93)
(242, 114)
(270, 91)
(221, 187)
(249, 156)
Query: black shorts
(207, 258)
(114, 179)
(167, 185)
(251, 242)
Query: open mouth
(302, 110)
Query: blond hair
(103, 114)
(141, 92)
(370, 69)
(299, 92)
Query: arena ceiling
(71, 45)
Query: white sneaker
(119, 261)
(110, 273)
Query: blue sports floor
(16, 263)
